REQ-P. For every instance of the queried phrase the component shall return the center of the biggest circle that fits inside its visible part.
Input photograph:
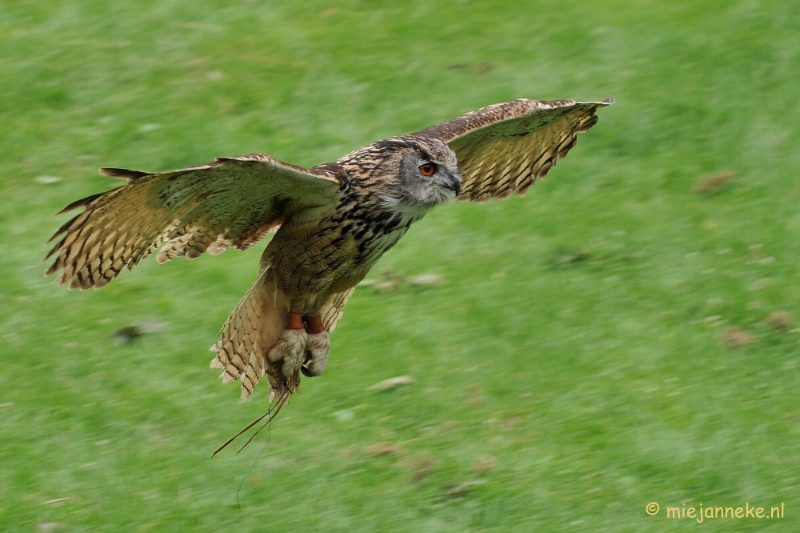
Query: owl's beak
(454, 183)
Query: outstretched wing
(503, 148)
(230, 202)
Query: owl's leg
(318, 347)
(291, 346)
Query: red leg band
(295, 320)
(314, 325)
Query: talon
(290, 349)
(317, 350)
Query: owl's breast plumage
(333, 252)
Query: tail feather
(252, 329)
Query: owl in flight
(333, 223)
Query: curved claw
(317, 350)
(289, 351)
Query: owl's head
(425, 172)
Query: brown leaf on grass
(132, 332)
(382, 448)
(424, 280)
(392, 383)
(388, 280)
(760, 284)
(509, 422)
(736, 337)
(483, 465)
(128, 333)
(474, 395)
(477, 69)
(714, 183)
(754, 251)
(780, 320)
(456, 490)
(563, 259)
(389, 285)
(47, 180)
(422, 468)
(55, 501)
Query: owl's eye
(427, 169)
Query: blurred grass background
(627, 333)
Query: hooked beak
(454, 183)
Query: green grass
(573, 389)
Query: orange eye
(427, 169)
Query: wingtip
(608, 101)
(83, 202)
(122, 173)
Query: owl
(331, 223)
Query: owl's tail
(252, 329)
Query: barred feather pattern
(231, 202)
(253, 327)
(334, 308)
(503, 148)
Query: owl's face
(429, 177)
(415, 173)
(427, 173)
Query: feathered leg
(290, 348)
(317, 348)
(255, 341)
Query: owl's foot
(317, 349)
(303, 346)
(289, 351)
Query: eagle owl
(332, 222)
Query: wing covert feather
(503, 148)
(230, 202)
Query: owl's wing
(333, 309)
(503, 148)
(230, 202)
